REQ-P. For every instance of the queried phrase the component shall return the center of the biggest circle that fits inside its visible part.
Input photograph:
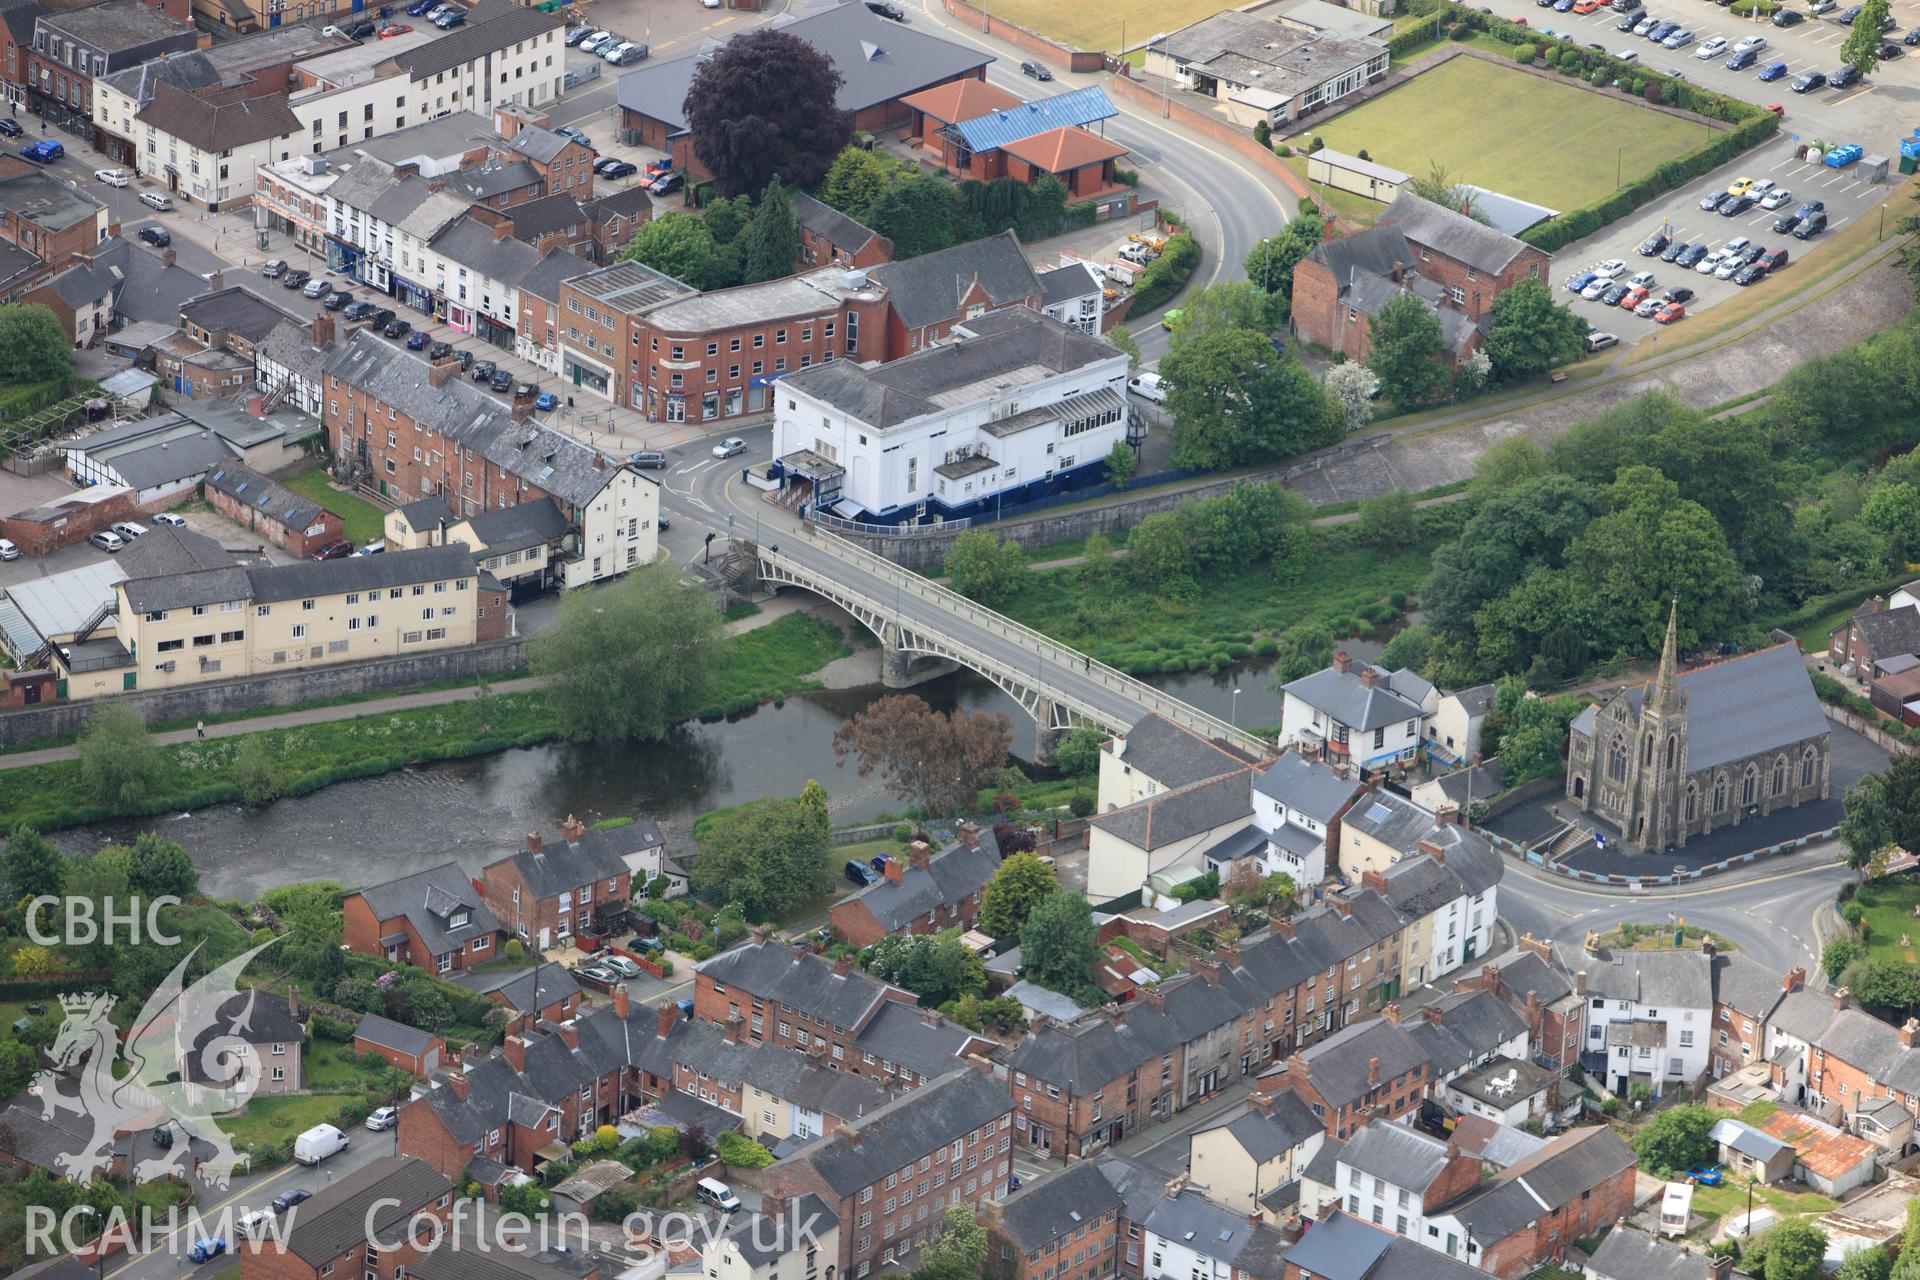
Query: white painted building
(1012, 401)
(1453, 731)
(1192, 1238)
(1073, 293)
(1649, 1015)
(1356, 713)
(1296, 800)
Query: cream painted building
(799, 1240)
(1171, 829)
(1252, 1151)
(216, 623)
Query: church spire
(1666, 688)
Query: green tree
(1531, 333)
(772, 239)
(1407, 649)
(1676, 1139)
(1020, 885)
(1057, 947)
(1220, 308)
(1530, 528)
(630, 660)
(1838, 955)
(159, 867)
(1121, 463)
(1046, 210)
(1159, 556)
(32, 867)
(1512, 461)
(767, 856)
(984, 568)
(678, 244)
(311, 945)
(118, 758)
(1866, 823)
(1120, 338)
(1893, 512)
(916, 213)
(33, 346)
(1866, 1263)
(939, 969)
(1795, 1247)
(1438, 187)
(726, 219)
(1353, 387)
(255, 771)
(960, 1252)
(1078, 754)
(814, 806)
(1270, 263)
(1406, 351)
(764, 103)
(737, 1151)
(857, 179)
(18, 1064)
(1236, 401)
(1388, 521)
(1861, 51)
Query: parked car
(619, 169)
(158, 237)
(1597, 341)
(43, 152)
(1751, 42)
(1788, 221)
(448, 21)
(573, 37)
(1847, 17)
(1646, 25)
(1668, 314)
(1705, 1175)
(666, 184)
(1788, 18)
(295, 279)
(171, 520)
(107, 540)
(1890, 51)
(1737, 206)
(1646, 309)
(1742, 59)
(1749, 273)
(380, 317)
(393, 29)
(128, 529)
(1035, 70)
(1810, 227)
(1640, 280)
(112, 177)
(500, 380)
(396, 328)
(612, 52)
(440, 351)
(318, 288)
(1627, 22)
(417, 340)
(1599, 286)
(290, 1197)
(1615, 292)
(8, 551)
(652, 946)
(1817, 7)
(12, 129)
(481, 370)
(338, 549)
(647, 460)
(1711, 48)
(890, 11)
(731, 447)
(1773, 70)
(1678, 295)
(1609, 268)
(1692, 256)
(1634, 297)
(375, 548)
(594, 41)
(546, 400)
(381, 1119)
(1772, 259)
(207, 1247)
(1578, 282)
(860, 873)
(1845, 75)
(1809, 82)
(359, 310)
(1661, 30)
(1712, 201)
(1673, 251)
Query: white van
(1148, 386)
(154, 200)
(718, 1194)
(251, 1224)
(317, 1143)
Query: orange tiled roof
(1816, 1147)
(959, 100)
(1059, 150)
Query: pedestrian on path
(199, 728)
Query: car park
(107, 540)
(731, 447)
(1711, 48)
(338, 549)
(1737, 206)
(1668, 314)
(1773, 71)
(1808, 82)
(1653, 244)
(158, 237)
(1843, 76)
(396, 328)
(295, 279)
(1810, 227)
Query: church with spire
(1698, 750)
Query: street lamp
(1233, 715)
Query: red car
(334, 551)
(1635, 296)
(393, 29)
(1669, 313)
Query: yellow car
(1740, 186)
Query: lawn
(1510, 131)
(1104, 26)
(364, 522)
(1889, 906)
(1731, 1197)
(270, 1122)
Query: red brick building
(1082, 1222)
(1365, 1072)
(334, 1234)
(1873, 634)
(982, 132)
(1531, 1212)
(270, 509)
(922, 894)
(405, 1047)
(434, 919)
(829, 238)
(1455, 265)
(73, 48)
(546, 896)
(891, 1174)
(1533, 985)
(43, 216)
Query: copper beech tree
(941, 760)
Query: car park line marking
(1841, 102)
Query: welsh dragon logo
(145, 1081)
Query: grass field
(1101, 26)
(1889, 905)
(1510, 131)
(364, 522)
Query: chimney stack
(622, 1003)
(736, 1029)
(293, 1002)
(458, 1082)
(1282, 925)
(439, 372)
(1580, 983)
(216, 280)
(1433, 1013)
(599, 460)
(501, 230)
(1375, 881)
(1910, 1033)
(567, 1032)
(1707, 947)
(1391, 1011)
(1447, 814)
(761, 932)
(1155, 998)
(1369, 676)
(166, 257)
(1373, 1072)
(1721, 1267)
(842, 966)
(1842, 997)
(514, 1050)
(893, 868)
(1537, 947)
(1227, 955)
(1342, 908)
(920, 854)
(1260, 1103)
(1207, 967)
(1793, 979)
(773, 1204)
(533, 843)
(970, 832)
(1432, 847)
(1342, 660)
(664, 1017)
(323, 329)
(572, 829)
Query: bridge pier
(902, 669)
(1044, 734)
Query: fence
(1645, 884)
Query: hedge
(1414, 35)
(1167, 274)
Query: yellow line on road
(209, 1211)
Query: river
(373, 829)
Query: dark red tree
(764, 106)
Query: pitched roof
(1451, 232)
(1347, 699)
(1746, 986)
(1396, 1153)
(428, 900)
(1065, 284)
(171, 460)
(1173, 816)
(309, 578)
(270, 497)
(1064, 149)
(505, 26)
(1214, 1231)
(1626, 1254)
(254, 1017)
(799, 979)
(237, 310)
(372, 1200)
(546, 215)
(561, 867)
(527, 991)
(1263, 1134)
(832, 225)
(1056, 1204)
(1660, 979)
(397, 1036)
(1547, 1180)
(1498, 1144)
(958, 100)
(1172, 755)
(948, 879)
(515, 528)
(1339, 1064)
(166, 551)
(1471, 1025)
(862, 1151)
(910, 1039)
(1747, 705)
(930, 288)
(212, 124)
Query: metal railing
(1042, 646)
(861, 527)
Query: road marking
(1841, 102)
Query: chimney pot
(599, 460)
(1794, 979)
(894, 869)
(622, 1002)
(533, 842)
(216, 280)
(1369, 676)
(919, 853)
(1342, 660)
(1842, 997)
(970, 832)
(664, 1017)
(1373, 1071)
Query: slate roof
(397, 1036)
(538, 142)
(561, 867)
(1284, 1125)
(472, 419)
(762, 1241)
(270, 497)
(291, 345)
(339, 1215)
(255, 1017)
(1338, 1064)
(1175, 756)
(426, 899)
(212, 125)
(473, 244)
(1343, 1248)
(1659, 979)
(1476, 782)
(237, 310)
(1309, 786)
(1634, 1255)
(633, 202)
(546, 215)
(517, 990)
(800, 980)
(1398, 1154)
(928, 289)
(172, 460)
(1173, 816)
(1744, 706)
(1802, 1014)
(165, 551)
(515, 528)
(1055, 1205)
(1450, 232)
(1472, 1025)
(878, 61)
(862, 1151)
(899, 1033)
(1065, 284)
(310, 578)
(1500, 1145)
(116, 26)
(1216, 1232)
(949, 878)
(1341, 695)
(479, 37)
(1889, 631)
(830, 224)
(1526, 972)
(1550, 1178)
(1746, 985)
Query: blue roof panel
(998, 128)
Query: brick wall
(1208, 125)
(73, 524)
(303, 541)
(1547, 1237)
(416, 1063)
(1079, 60)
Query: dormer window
(459, 918)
